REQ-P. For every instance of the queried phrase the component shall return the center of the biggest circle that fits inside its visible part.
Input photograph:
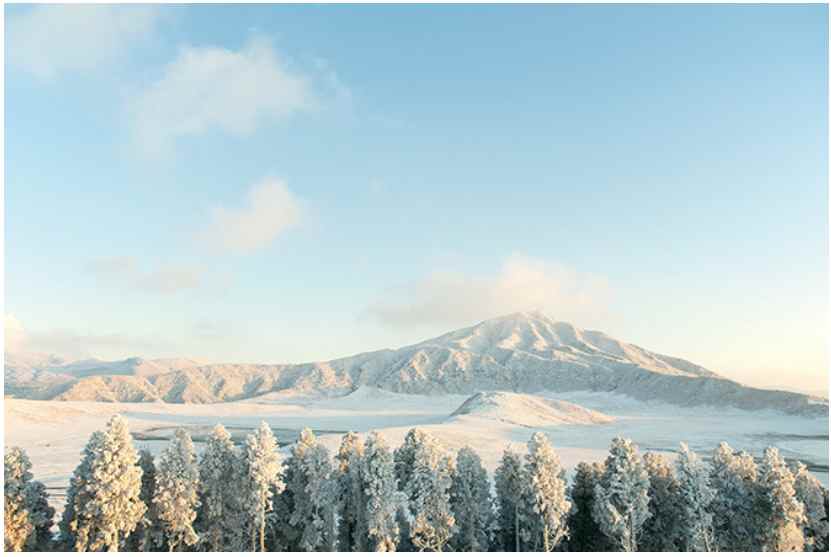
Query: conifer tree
(695, 497)
(148, 535)
(545, 495)
(810, 493)
(42, 516)
(471, 503)
(404, 458)
(17, 522)
(351, 499)
(219, 516)
(27, 517)
(779, 516)
(383, 500)
(77, 496)
(511, 516)
(621, 503)
(584, 532)
(428, 493)
(281, 535)
(259, 481)
(822, 543)
(104, 499)
(176, 498)
(660, 531)
(404, 455)
(314, 493)
(733, 479)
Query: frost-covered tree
(404, 455)
(821, 544)
(695, 497)
(281, 534)
(779, 516)
(584, 533)
(511, 515)
(27, 517)
(17, 522)
(383, 500)
(660, 531)
(351, 499)
(621, 503)
(148, 535)
(545, 494)
(259, 481)
(825, 499)
(428, 492)
(104, 503)
(733, 479)
(41, 514)
(219, 516)
(309, 480)
(176, 498)
(404, 458)
(77, 496)
(810, 493)
(471, 503)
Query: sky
(296, 183)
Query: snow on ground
(53, 433)
(528, 410)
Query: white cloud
(171, 278)
(15, 336)
(114, 267)
(211, 329)
(165, 279)
(522, 284)
(270, 210)
(207, 88)
(74, 345)
(50, 39)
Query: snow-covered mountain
(522, 352)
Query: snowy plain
(54, 432)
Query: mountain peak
(526, 316)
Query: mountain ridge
(522, 352)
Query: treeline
(417, 497)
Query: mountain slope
(523, 352)
(528, 410)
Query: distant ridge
(521, 352)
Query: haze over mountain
(522, 353)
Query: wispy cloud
(14, 335)
(269, 210)
(453, 299)
(211, 329)
(115, 267)
(164, 279)
(48, 40)
(171, 278)
(75, 345)
(212, 88)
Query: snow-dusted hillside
(528, 410)
(523, 353)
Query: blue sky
(290, 183)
